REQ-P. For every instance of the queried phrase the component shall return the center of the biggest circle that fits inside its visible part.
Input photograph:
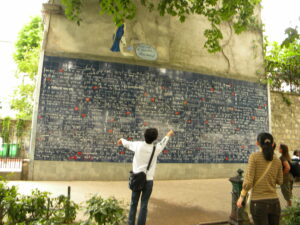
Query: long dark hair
(285, 152)
(265, 141)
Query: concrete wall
(179, 46)
(286, 120)
(56, 170)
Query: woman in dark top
(288, 179)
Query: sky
(14, 14)
(277, 15)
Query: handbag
(248, 200)
(137, 181)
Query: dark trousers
(265, 212)
(135, 196)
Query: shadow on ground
(164, 213)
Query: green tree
(26, 57)
(236, 13)
(282, 63)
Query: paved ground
(176, 202)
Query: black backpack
(295, 168)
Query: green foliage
(105, 212)
(6, 129)
(20, 126)
(66, 210)
(213, 36)
(29, 208)
(23, 101)
(35, 209)
(27, 47)
(26, 57)
(72, 9)
(39, 209)
(119, 9)
(239, 13)
(7, 198)
(292, 214)
(282, 63)
(292, 36)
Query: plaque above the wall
(146, 52)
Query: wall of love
(86, 106)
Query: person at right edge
(265, 206)
(288, 179)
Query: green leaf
(239, 12)
(282, 64)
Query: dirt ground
(175, 202)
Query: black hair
(150, 135)
(265, 141)
(285, 151)
(296, 152)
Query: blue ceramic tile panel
(86, 106)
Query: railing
(8, 164)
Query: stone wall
(286, 120)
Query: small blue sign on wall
(146, 52)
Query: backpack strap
(266, 171)
(151, 157)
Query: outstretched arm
(119, 142)
(127, 144)
(162, 144)
(170, 133)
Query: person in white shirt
(142, 153)
(295, 156)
